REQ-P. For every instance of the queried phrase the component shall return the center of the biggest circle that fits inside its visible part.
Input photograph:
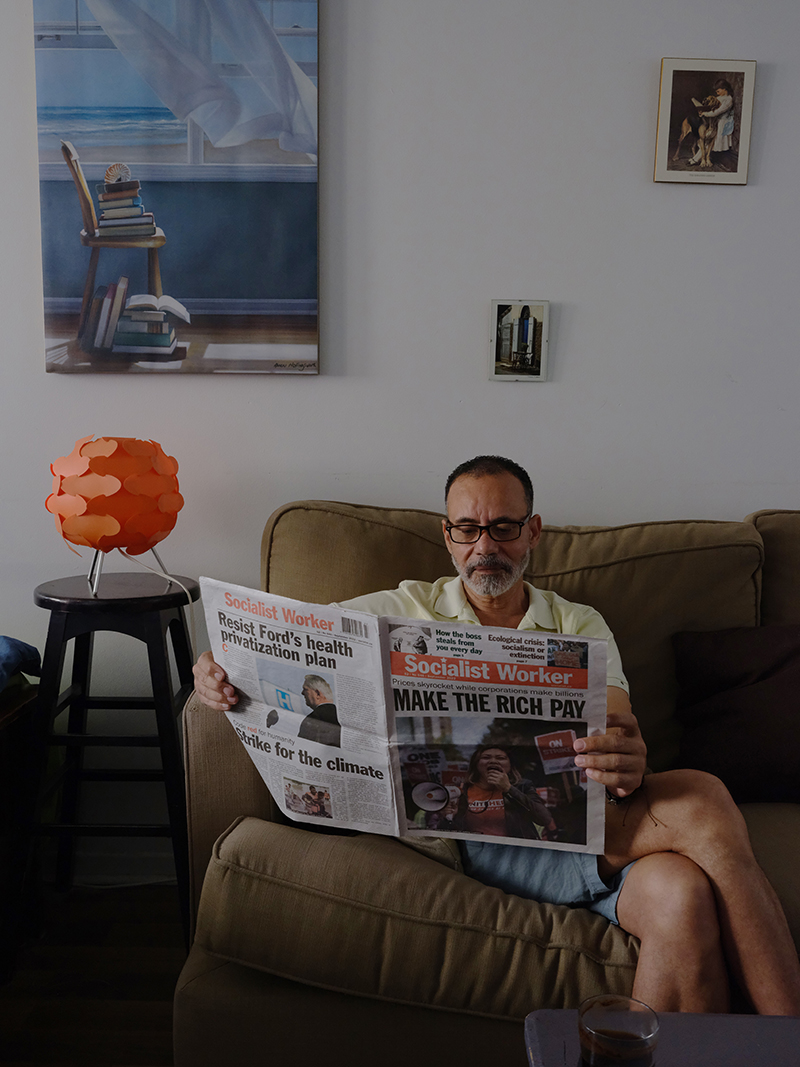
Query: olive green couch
(337, 948)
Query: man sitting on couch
(678, 871)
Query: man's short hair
(483, 465)
(313, 681)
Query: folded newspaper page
(410, 727)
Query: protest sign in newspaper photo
(413, 728)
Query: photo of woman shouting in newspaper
(509, 781)
(496, 800)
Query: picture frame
(704, 145)
(518, 340)
(178, 167)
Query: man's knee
(706, 825)
(702, 802)
(667, 895)
(693, 783)
(686, 898)
(684, 811)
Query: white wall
(471, 150)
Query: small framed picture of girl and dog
(705, 110)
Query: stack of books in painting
(144, 330)
(104, 312)
(135, 327)
(122, 212)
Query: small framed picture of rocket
(705, 110)
(518, 340)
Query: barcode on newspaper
(354, 627)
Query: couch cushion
(780, 596)
(739, 704)
(442, 849)
(366, 915)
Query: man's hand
(617, 758)
(211, 684)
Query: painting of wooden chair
(92, 237)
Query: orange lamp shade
(115, 492)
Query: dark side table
(147, 608)
(684, 1040)
(19, 905)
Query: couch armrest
(221, 784)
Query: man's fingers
(211, 684)
(215, 705)
(609, 745)
(612, 762)
(617, 760)
(616, 771)
(621, 785)
(220, 700)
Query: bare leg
(668, 903)
(692, 813)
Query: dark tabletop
(126, 591)
(551, 1038)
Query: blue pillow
(16, 656)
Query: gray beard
(492, 584)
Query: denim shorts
(547, 875)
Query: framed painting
(705, 111)
(178, 179)
(518, 340)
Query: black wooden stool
(148, 608)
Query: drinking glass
(617, 1030)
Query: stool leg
(50, 682)
(73, 756)
(183, 657)
(40, 728)
(171, 760)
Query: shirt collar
(452, 603)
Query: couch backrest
(780, 593)
(649, 580)
(321, 551)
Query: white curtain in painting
(275, 100)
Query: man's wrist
(612, 798)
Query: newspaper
(413, 728)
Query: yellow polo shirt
(445, 601)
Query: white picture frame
(704, 145)
(518, 340)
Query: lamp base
(93, 577)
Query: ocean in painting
(97, 126)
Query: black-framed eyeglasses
(467, 533)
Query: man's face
(490, 568)
(311, 696)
